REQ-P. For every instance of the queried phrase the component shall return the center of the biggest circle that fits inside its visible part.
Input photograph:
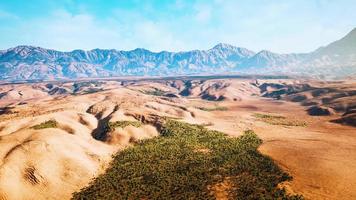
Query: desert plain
(53, 138)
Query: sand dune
(54, 162)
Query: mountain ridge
(26, 62)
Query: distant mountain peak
(239, 52)
(141, 51)
(29, 62)
(346, 46)
(266, 53)
(22, 48)
(224, 46)
(352, 34)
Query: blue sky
(282, 26)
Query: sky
(282, 26)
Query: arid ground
(53, 138)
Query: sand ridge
(55, 162)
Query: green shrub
(174, 166)
(216, 108)
(278, 120)
(265, 116)
(47, 124)
(155, 92)
(122, 124)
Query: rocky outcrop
(320, 111)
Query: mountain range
(337, 59)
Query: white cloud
(155, 36)
(65, 31)
(283, 26)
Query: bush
(278, 120)
(217, 108)
(186, 162)
(122, 124)
(155, 92)
(47, 124)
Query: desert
(180, 99)
(55, 136)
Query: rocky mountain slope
(27, 62)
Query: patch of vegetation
(122, 124)
(216, 108)
(265, 116)
(185, 163)
(47, 124)
(93, 90)
(166, 118)
(78, 85)
(278, 120)
(155, 92)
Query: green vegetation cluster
(47, 124)
(186, 162)
(122, 124)
(279, 120)
(155, 92)
(216, 108)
